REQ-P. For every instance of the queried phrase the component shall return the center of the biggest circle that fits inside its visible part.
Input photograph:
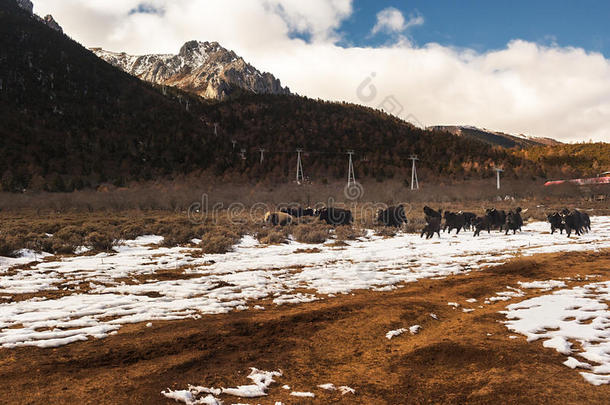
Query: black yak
(335, 216)
(496, 217)
(392, 216)
(514, 222)
(431, 213)
(454, 220)
(469, 218)
(556, 221)
(481, 223)
(433, 223)
(573, 221)
(433, 226)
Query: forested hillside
(571, 160)
(71, 120)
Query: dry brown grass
(311, 233)
(101, 242)
(345, 232)
(273, 235)
(219, 241)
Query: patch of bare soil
(452, 360)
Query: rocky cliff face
(204, 68)
(51, 23)
(48, 20)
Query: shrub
(8, 245)
(71, 234)
(131, 231)
(272, 237)
(219, 240)
(311, 233)
(178, 235)
(101, 241)
(347, 232)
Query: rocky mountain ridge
(28, 6)
(204, 68)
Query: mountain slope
(70, 120)
(495, 138)
(204, 68)
(68, 117)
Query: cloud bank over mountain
(542, 90)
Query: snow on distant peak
(205, 68)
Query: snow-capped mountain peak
(205, 68)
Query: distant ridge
(495, 138)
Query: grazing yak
(469, 218)
(392, 216)
(433, 223)
(454, 220)
(497, 218)
(335, 216)
(514, 221)
(556, 221)
(298, 212)
(278, 218)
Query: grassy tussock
(273, 235)
(218, 241)
(312, 233)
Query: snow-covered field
(577, 315)
(94, 295)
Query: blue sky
(484, 25)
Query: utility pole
(414, 182)
(300, 177)
(351, 177)
(498, 171)
(262, 151)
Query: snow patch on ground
(107, 290)
(567, 316)
(262, 380)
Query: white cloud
(391, 20)
(525, 87)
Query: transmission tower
(351, 177)
(234, 142)
(300, 177)
(414, 182)
(262, 151)
(498, 171)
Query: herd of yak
(395, 216)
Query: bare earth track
(340, 340)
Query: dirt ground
(339, 340)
